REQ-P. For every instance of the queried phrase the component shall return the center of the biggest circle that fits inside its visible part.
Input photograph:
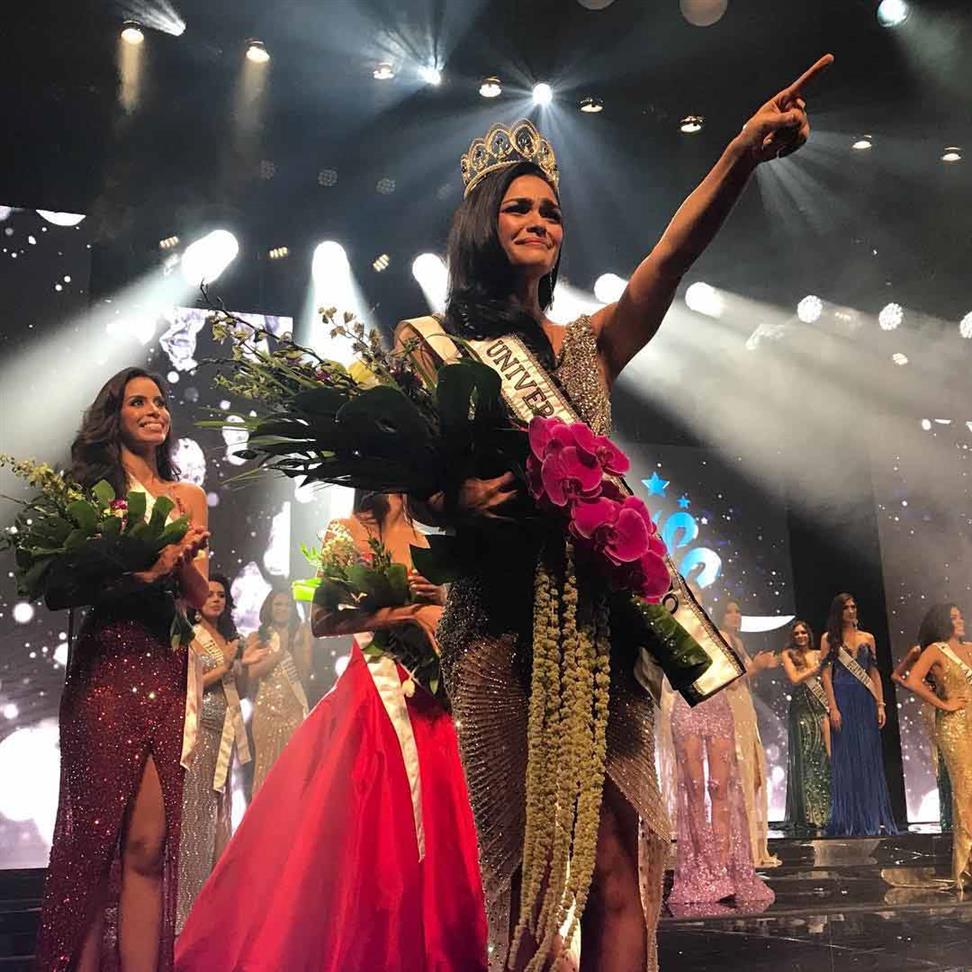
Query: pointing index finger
(808, 75)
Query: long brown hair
(96, 450)
(835, 621)
(266, 614)
(791, 644)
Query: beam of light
(131, 62)
(158, 15)
(609, 287)
(892, 13)
(430, 74)
(429, 271)
(385, 71)
(569, 303)
(205, 259)
(542, 94)
(809, 309)
(332, 285)
(249, 98)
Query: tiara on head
(502, 147)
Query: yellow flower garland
(566, 754)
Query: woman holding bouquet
(587, 858)
(114, 858)
(359, 849)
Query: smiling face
(144, 417)
(530, 226)
(280, 609)
(801, 637)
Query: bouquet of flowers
(380, 425)
(346, 579)
(71, 543)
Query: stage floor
(842, 905)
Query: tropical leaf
(136, 508)
(84, 515)
(103, 492)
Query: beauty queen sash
(289, 671)
(856, 669)
(962, 666)
(816, 689)
(528, 391)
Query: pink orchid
(533, 477)
(616, 530)
(540, 432)
(569, 474)
(610, 457)
(647, 576)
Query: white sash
(289, 670)
(529, 391)
(962, 666)
(856, 669)
(234, 731)
(816, 689)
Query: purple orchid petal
(611, 457)
(656, 579)
(554, 477)
(629, 540)
(589, 516)
(539, 431)
(534, 479)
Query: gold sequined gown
(953, 732)
(485, 638)
(280, 707)
(205, 811)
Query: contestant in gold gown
(946, 660)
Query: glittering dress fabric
(751, 757)
(205, 811)
(485, 637)
(124, 700)
(807, 764)
(277, 712)
(953, 731)
(331, 868)
(713, 858)
(859, 801)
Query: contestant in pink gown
(358, 854)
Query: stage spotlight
(892, 13)
(327, 178)
(490, 87)
(862, 144)
(257, 52)
(385, 186)
(542, 94)
(169, 243)
(704, 299)
(703, 13)
(429, 270)
(965, 326)
(691, 124)
(205, 259)
(383, 72)
(381, 262)
(278, 253)
(609, 287)
(431, 75)
(329, 261)
(952, 153)
(592, 105)
(809, 309)
(890, 317)
(899, 359)
(132, 32)
(23, 612)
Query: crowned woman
(555, 731)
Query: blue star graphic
(656, 485)
(683, 503)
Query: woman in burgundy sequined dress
(110, 897)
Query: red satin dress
(358, 854)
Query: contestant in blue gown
(859, 801)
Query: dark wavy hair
(791, 644)
(936, 625)
(96, 450)
(481, 279)
(266, 612)
(225, 624)
(835, 622)
(368, 503)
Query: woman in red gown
(110, 896)
(358, 854)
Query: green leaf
(84, 515)
(103, 492)
(160, 511)
(320, 401)
(467, 390)
(75, 540)
(111, 526)
(305, 590)
(30, 583)
(387, 422)
(173, 532)
(136, 508)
